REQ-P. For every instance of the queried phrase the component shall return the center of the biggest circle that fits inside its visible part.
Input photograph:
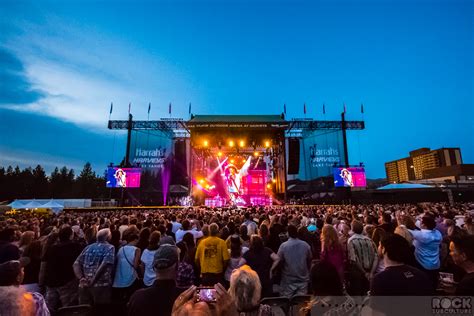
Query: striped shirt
(362, 250)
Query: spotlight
(219, 154)
(205, 143)
(267, 144)
(243, 160)
(201, 181)
(231, 143)
(269, 186)
(255, 153)
(274, 180)
(232, 161)
(241, 143)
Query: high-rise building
(415, 166)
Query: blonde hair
(245, 288)
(26, 238)
(15, 301)
(329, 238)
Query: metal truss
(173, 126)
(324, 125)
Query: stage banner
(320, 152)
(150, 150)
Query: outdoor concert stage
(237, 160)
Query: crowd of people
(198, 260)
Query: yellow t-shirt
(211, 254)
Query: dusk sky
(63, 62)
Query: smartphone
(206, 294)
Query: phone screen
(207, 295)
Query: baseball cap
(10, 270)
(165, 257)
(167, 240)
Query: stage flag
(169, 108)
(362, 108)
(149, 108)
(324, 108)
(304, 109)
(129, 107)
(189, 109)
(111, 107)
(284, 108)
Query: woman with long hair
(331, 249)
(25, 240)
(264, 233)
(148, 255)
(188, 239)
(185, 276)
(127, 280)
(235, 252)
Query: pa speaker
(293, 156)
(179, 163)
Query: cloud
(73, 73)
(16, 88)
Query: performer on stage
(233, 178)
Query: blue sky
(62, 62)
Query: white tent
(16, 204)
(54, 206)
(33, 204)
(398, 186)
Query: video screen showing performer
(120, 178)
(346, 176)
(353, 177)
(233, 179)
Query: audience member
(94, 268)
(295, 273)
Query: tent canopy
(33, 204)
(53, 205)
(398, 186)
(16, 204)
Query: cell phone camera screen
(207, 295)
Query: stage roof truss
(181, 128)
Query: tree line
(62, 183)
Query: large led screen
(349, 177)
(123, 177)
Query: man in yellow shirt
(212, 257)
